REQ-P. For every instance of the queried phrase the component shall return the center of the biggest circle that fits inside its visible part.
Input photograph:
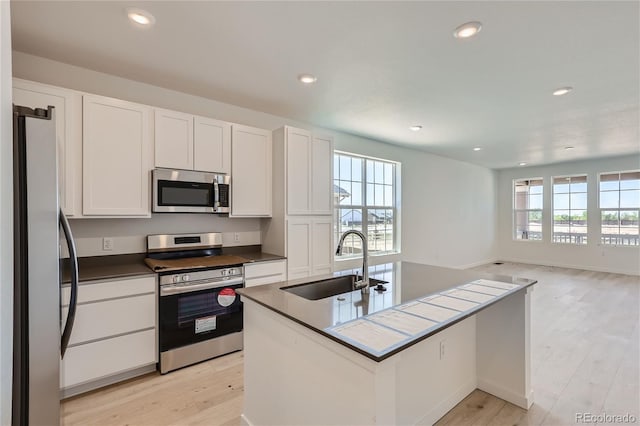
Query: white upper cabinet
(116, 159)
(68, 116)
(309, 246)
(250, 172)
(299, 148)
(322, 175)
(173, 139)
(183, 141)
(212, 145)
(309, 162)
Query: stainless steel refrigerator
(38, 340)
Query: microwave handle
(216, 196)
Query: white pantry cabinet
(302, 225)
(251, 170)
(114, 334)
(309, 246)
(68, 116)
(116, 161)
(184, 141)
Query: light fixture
(522, 164)
(415, 128)
(140, 17)
(562, 91)
(467, 30)
(568, 148)
(477, 148)
(307, 78)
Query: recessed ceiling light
(562, 91)
(307, 78)
(467, 30)
(567, 148)
(415, 128)
(522, 164)
(477, 148)
(141, 17)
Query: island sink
(330, 287)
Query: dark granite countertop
(131, 265)
(406, 282)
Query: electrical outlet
(236, 237)
(442, 349)
(107, 244)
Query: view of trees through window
(527, 209)
(570, 209)
(364, 191)
(620, 208)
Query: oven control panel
(208, 274)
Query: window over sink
(365, 195)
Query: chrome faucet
(363, 284)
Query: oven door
(193, 313)
(184, 191)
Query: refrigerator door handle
(68, 326)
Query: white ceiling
(381, 67)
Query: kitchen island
(405, 355)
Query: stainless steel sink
(330, 287)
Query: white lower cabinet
(309, 246)
(267, 272)
(114, 333)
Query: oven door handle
(169, 290)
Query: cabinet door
(68, 116)
(250, 172)
(322, 176)
(212, 145)
(116, 157)
(298, 248)
(173, 140)
(322, 245)
(298, 152)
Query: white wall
(592, 256)
(6, 216)
(448, 207)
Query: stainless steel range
(199, 311)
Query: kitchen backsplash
(100, 237)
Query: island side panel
(503, 333)
(294, 376)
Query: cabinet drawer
(93, 361)
(252, 282)
(263, 269)
(92, 291)
(112, 317)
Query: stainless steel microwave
(188, 191)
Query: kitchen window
(570, 209)
(619, 208)
(365, 200)
(527, 209)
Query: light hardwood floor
(585, 359)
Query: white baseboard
(446, 405)
(522, 401)
(569, 266)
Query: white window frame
(365, 209)
(553, 209)
(618, 209)
(515, 211)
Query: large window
(619, 208)
(365, 200)
(527, 209)
(570, 209)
